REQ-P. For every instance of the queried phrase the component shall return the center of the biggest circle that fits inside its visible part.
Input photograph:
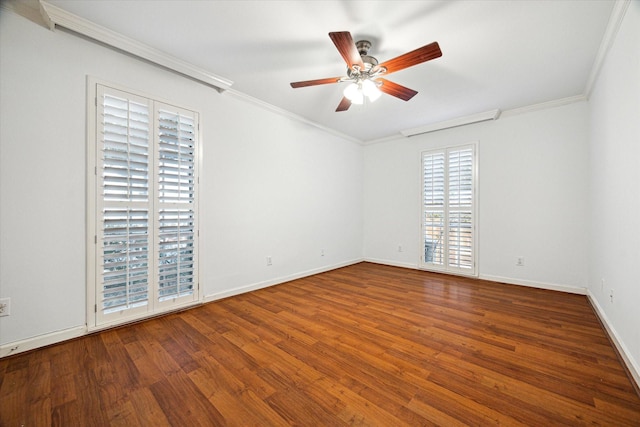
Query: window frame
(445, 267)
(94, 202)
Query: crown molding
(389, 138)
(460, 121)
(283, 112)
(615, 21)
(544, 105)
(57, 17)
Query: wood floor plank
(362, 345)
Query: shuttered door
(146, 223)
(448, 213)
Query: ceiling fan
(365, 73)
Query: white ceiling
(496, 54)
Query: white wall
(615, 186)
(270, 186)
(532, 196)
(279, 188)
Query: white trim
(39, 341)
(97, 320)
(282, 112)
(90, 199)
(460, 121)
(55, 16)
(533, 284)
(32, 343)
(631, 364)
(276, 281)
(385, 139)
(418, 267)
(615, 21)
(392, 263)
(16, 347)
(509, 281)
(142, 316)
(544, 105)
(445, 268)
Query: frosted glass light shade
(371, 91)
(353, 93)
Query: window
(142, 207)
(448, 210)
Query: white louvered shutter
(124, 241)
(145, 205)
(434, 204)
(176, 203)
(460, 234)
(448, 214)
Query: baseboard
(41, 341)
(276, 281)
(632, 366)
(392, 263)
(499, 279)
(532, 284)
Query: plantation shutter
(460, 235)
(146, 205)
(448, 214)
(434, 204)
(125, 242)
(176, 203)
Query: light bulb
(353, 93)
(370, 89)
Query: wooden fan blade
(344, 104)
(315, 82)
(347, 48)
(394, 89)
(409, 59)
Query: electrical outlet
(268, 260)
(321, 252)
(399, 248)
(520, 261)
(611, 295)
(5, 306)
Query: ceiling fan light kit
(356, 92)
(365, 73)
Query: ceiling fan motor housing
(363, 47)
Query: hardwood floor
(362, 345)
